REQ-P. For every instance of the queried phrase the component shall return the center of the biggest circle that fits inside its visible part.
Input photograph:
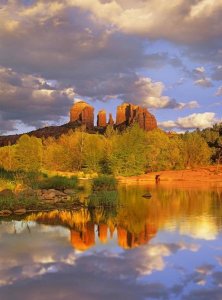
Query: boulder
(20, 211)
(5, 213)
(6, 193)
(147, 195)
(70, 191)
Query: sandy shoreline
(210, 175)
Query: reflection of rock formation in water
(83, 231)
(83, 240)
(134, 224)
(128, 239)
(103, 232)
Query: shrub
(57, 182)
(106, 183)
(103, 198)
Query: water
(166, 247)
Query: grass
(57, 182)
(104, 183)
(36, 180)
(103, 198)
(32, 203)
(13, 203)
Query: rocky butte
(126, 115)
(82, 114)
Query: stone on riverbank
(7, 193)
(20, 211)
(5, 213)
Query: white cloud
(204, 82)
(196, 120)
(200, 70)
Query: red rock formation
(121, 114)
(111, 121)
(128, 114)
(101, 118)
(82, 112)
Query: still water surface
(167, 247)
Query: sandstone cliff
(101, 118)
(82, 112)
(128, 114)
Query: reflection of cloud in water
(202, 227)
(45, 266)
(219, 259)
(45, 261)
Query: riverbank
(209, 174)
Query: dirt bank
(209, 174)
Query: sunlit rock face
(111, 121)
(83, 113)
(101, 118)
(128, 114)
(121, 114)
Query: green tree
(129, 152)
(94, 152)
(28, 153)
(7, 158)
(196, 151)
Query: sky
(163, 55)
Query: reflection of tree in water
(137, 220)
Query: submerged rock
(147, 195)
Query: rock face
(101, 118)
(111, 121)
(121, 114)
(128, 114)
(83, 113)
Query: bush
(57, 182)
(103, 198)
(106, 183)
(13, 203)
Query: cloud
(219, 91)
(200, 78)
(99, 49)
(196, 120)
(204, 82)
(217, 72)
(195, 21)
(31, 100)
(199, 70)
